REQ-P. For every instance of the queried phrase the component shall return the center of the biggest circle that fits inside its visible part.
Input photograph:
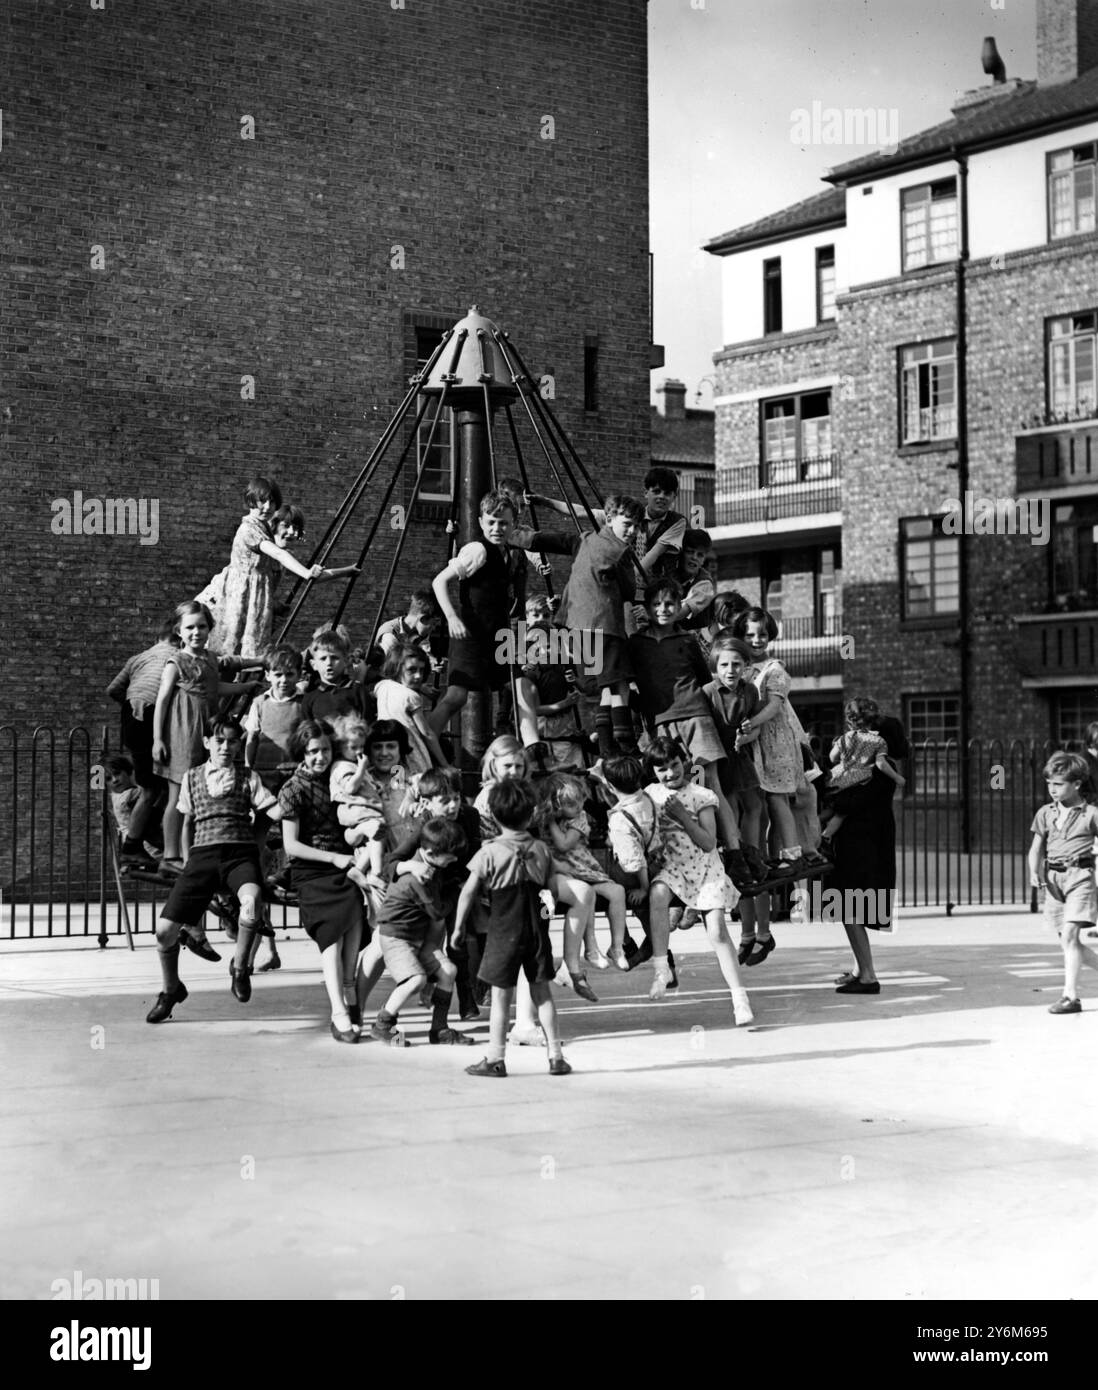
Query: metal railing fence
(56, 878)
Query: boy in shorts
(602, 582)
(216, 799)
(412, 931)
(482, 619)
(1061, 860)
(513, 870)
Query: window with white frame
(928, 376)
(797, 438)
(825, 283)
(1071, 364)
(1071, 189)
(929, 568)
(932, 721)
(929, 215)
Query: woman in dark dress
(865, 865)
(324, 875)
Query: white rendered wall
(1008, 192)
(742, 284)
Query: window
(930, 568)
(770, 583)
(1071, 191)
(797, 439)
(591, 371)
(928, 377)
(437, 460)
(934, 719)
(825, 283)
(772, 296)
(929, 223)
(696, 490)
(1075, 555)
(828, 591)
(1072, 711)
(1071, 364)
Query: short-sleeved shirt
(1069, 831)
(513, 857)
(411, 909)
(218, 781)
(138, 682)
(634, 832)
(306, 800)
(340, 782)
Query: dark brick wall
(270, 257)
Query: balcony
(815, 492)
(1057, 456)
(810, 646)
(1054, 648)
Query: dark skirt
(331, 905)
(865, 849)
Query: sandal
(846, 978)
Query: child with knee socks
(411, 928)
(216, 801)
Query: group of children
(351, 768)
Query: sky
(726, 76)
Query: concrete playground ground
(934, 1142)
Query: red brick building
(232, 231)
(927, 327)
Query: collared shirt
(513, 857)
(1069, 831)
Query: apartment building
(907, 414)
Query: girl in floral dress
(562, 823)
(243, 594)
(690, 872)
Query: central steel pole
(476, 479)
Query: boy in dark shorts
(217, 799)
(440, 797)
(482, 619)
(602, 582)
(412, 929)
(1061, 860)
(513, 870)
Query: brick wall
(224, 257)
(1007, 304)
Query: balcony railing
(821, 491)
(1058, 645)
(1059, 456)
(810, 646)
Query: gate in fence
(962, 832)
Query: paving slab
(932, 1142)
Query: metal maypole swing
(474, 370)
